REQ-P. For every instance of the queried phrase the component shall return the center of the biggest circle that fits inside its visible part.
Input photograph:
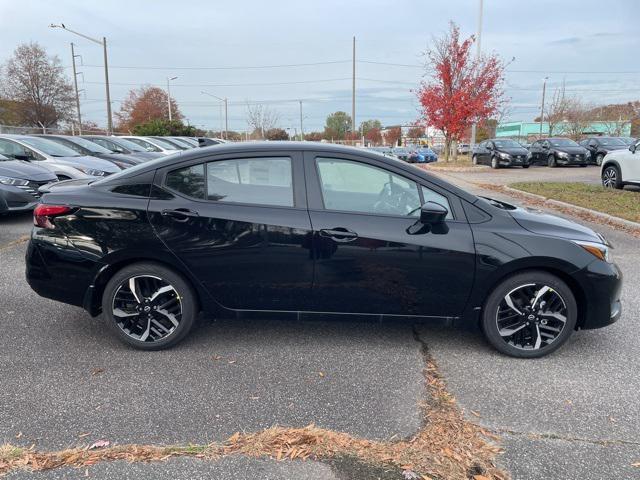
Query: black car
(86, 147)
(19, 184)
(121, 145)
(598, 147)
(289, 228)
(557, 151)
(499, 152)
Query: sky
(278, 52)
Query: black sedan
(311, 228)
(19, 184)
(557, 151)
(501, 153)
(598, 147)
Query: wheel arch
(608, 163)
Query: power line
(243, 67)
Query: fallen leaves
(97, 371)
(99, 444)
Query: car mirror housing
(632, 148)
(432, 213)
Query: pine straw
(574, 212)
(447, 447)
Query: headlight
(92, 172)
(505, 156)
(563, 154)
(598, 250)
(13, 181)
(122, 165)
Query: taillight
(43, 214)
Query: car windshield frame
(48, 147)
(163, 143)
(612, 142)
(562, 142)
(129, 145)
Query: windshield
(563, 142)
(507, 144)
(164, 144)
(612, 142)
(49, 147)
(127, 144)
(92, 147)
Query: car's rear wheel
(599, 159)
(474, 160)
(551, 161)
(149, 306)
(611, 177)
(529, 315)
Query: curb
(479, 168)
(604, 216)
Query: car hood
(514, 151)
(146, 155)
(571, 150)
(542, 223)
(612, 148)
(88, 162)
(26, 171)
(120, 157)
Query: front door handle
(339, 234)
(180, 214)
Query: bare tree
(577, 118)
(556, 111)
(615, 118)
(261, 118)
(36, 82)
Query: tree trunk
(454, 150)
(447, 149)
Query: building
(529, 131)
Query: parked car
(401, 153)
(190, 140)
(557, 151)
(19, 184)
(62, 161)
(464, 148)
(86, 147)
(179, 142)
(310, 227)
(154, 144)
(621, 167)
(628, 140)
(598, 147)
(121, 146)
(499, 152)
(207, 142)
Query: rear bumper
(602, 285)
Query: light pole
(544, 89)
(102, 42)
(226, 112)
(75, 87)
(478, 52)
(169, 96)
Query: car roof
(279, 146)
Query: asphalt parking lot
(67, 382)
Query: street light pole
(474, 127)
(353, 89)
(544, 88)
(169, 96)
(102, 42)
(226, 111)
(75, 86)
(301, 131)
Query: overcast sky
(593, 44)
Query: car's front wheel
(611, 177)
(529, 315)
(494, 163)
(599, 159)
(474, 160)
(149, 306)
(551, 161)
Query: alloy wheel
(531, 316)
(610, 177)
(147, 308)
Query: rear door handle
(339, 234)
(180, 214)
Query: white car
(151, 144)
(621, 167)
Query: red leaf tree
(462, 90)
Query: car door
(480, 152)
(592, 149)
(239, 223)
(631, 165)
(534, 149)
(367, 258)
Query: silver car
(152, 144)
(62, 161)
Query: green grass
(461, 161)
(619, 203)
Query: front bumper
(513, 161)
(602, 285)
(17, 199)
(573, 160)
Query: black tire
(599, 159)
(474, 159)
(181, 297)
(526, 166)
(494, 163)
(611, 177)
(583, 164)
(551, 161)
(557, 294)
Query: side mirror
(545, 146)
(632, 148)
(432, 213)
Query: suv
(557, 151)
(621, 167)
(500, 153)
(598, 147)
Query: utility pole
(226, 118)
(301, 130)
(478, 51)
(544, 88)
(75, 86)
(169, 96)
(102, 42)
(353, 90)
